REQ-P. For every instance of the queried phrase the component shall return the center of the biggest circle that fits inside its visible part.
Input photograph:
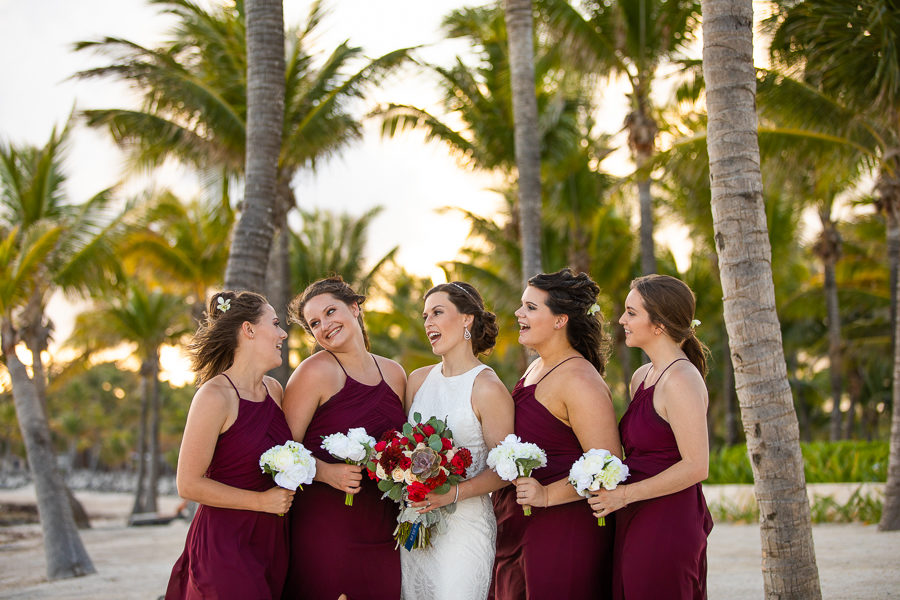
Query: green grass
(859, 508)
(824, 462)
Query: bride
(457, 564)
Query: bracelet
(457, 494)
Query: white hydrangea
(291, 464)
(514, 458)
(595, 468)
(352, 447)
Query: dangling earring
(467, 335)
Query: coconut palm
(630, 39)
(23, 256)
(749, 302)
(520, 36)
(146, 319)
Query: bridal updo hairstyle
(468, 301)
(670, 303)
(212, 347)
(574, 295)
(338, 288)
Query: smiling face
(536, 321)
(444, 324)
(268, 337)
(331, 321)
(639, 330)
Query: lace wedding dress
(457, 564)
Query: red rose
(437, 481)
(405, 463)
(416, 491)
(371, 474)
(380, 446)
(446, 443)
(459, 462)
(466, 456)
(428, 430)
(404, 440)
(419, 437)
(443, 460)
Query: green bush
(825, 462)
(863, 508)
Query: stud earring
(467, 335)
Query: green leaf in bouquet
(527, 465)
(385, 485)
(417, 417)
(395, 492)
(439, 425)
(407, 430)
(443, 489)
(434, 442)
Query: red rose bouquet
(410, 463)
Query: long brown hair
(669, 302)
(212, 347)
(337, 287)
(575, 295)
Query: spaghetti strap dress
(338, 549)
(560, 551)
(233, 553)
(668, 532)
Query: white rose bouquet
(354, 448)
(291, 464)
(597, 468)
(513, 458)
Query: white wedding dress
(457, 564)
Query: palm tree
(631, 38)
(256, 225)
(520, 35)
(760, 371)
(23, 258)
(849, 51)
(148, 320)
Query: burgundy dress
(232, 553)
(558, 552)
(338, 549)
(668, 533)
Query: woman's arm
(681, 399)
(495, 410)
(206, 419)
(590, 412)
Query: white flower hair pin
(223, 304)
(593, 309)
(695, 323)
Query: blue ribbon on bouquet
(411, 538)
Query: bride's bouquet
(513, 458)
(353, 447)
(597, 468)
(291, 464)
(410, 463)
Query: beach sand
(133, 563)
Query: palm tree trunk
(278, 277)
(742, 243)
(64, 551)
(518, 15)
(731, 417)
(265, 114)
(140, 491)
(828, 248)
(150, 504)
(890, 514)
(889, 191)
(648, 250)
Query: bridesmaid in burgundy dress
(338, 549)
(564, 406)
(661, 517)
(237, 544)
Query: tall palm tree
(770, 423)
(256, 225)
(23, 255)
(848, 50)
(146, 319)
(631, 39)
(520, 34)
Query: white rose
(397, 474)
(507, 470)
(379, 472)
(359, 435)
(355, 451)
(282, 459)
(293, 476)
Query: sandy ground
(133, 563)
